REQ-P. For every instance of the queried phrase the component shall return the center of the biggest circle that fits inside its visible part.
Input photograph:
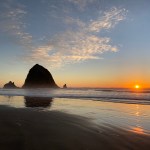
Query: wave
(91, 94)
(124, 90)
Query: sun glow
(136, 86)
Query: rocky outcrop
(64, 86)
(10, 85)
(39, 77)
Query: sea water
(98, 94)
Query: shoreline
(129, 97)
(28, 128)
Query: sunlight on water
(139, 116)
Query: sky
(83, 43)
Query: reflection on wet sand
(38, 101)
(138, 130)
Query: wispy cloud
(108, 20)
(81, 3)
(12, 23)
(81, 41)
(79, 44)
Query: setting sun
(136, 86)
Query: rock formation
(10, 85)
(64, 86)
(39, 77)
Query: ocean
(120, 95)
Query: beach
(45, 123)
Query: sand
(38, 129)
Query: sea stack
(39, 77)
(10, 85)
(64, 86)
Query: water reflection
(38, 101)
(8, 97)
(138, 130)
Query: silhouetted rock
(10, 85)
(39, 77)
(64, 86)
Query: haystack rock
(39, 77)
(10, 85)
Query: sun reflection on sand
(138, 128)
(137, 113)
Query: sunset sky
(83, 43)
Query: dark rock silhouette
(10, 85)
(39, 77)
(64, 86)
(38, 101)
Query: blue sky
(89, 43)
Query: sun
(136, 86)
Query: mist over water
(99, 94)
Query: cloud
(109, 20)
(81, 3)
(81, 43)
(12, 23)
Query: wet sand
(38, 129)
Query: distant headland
(37, 77)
